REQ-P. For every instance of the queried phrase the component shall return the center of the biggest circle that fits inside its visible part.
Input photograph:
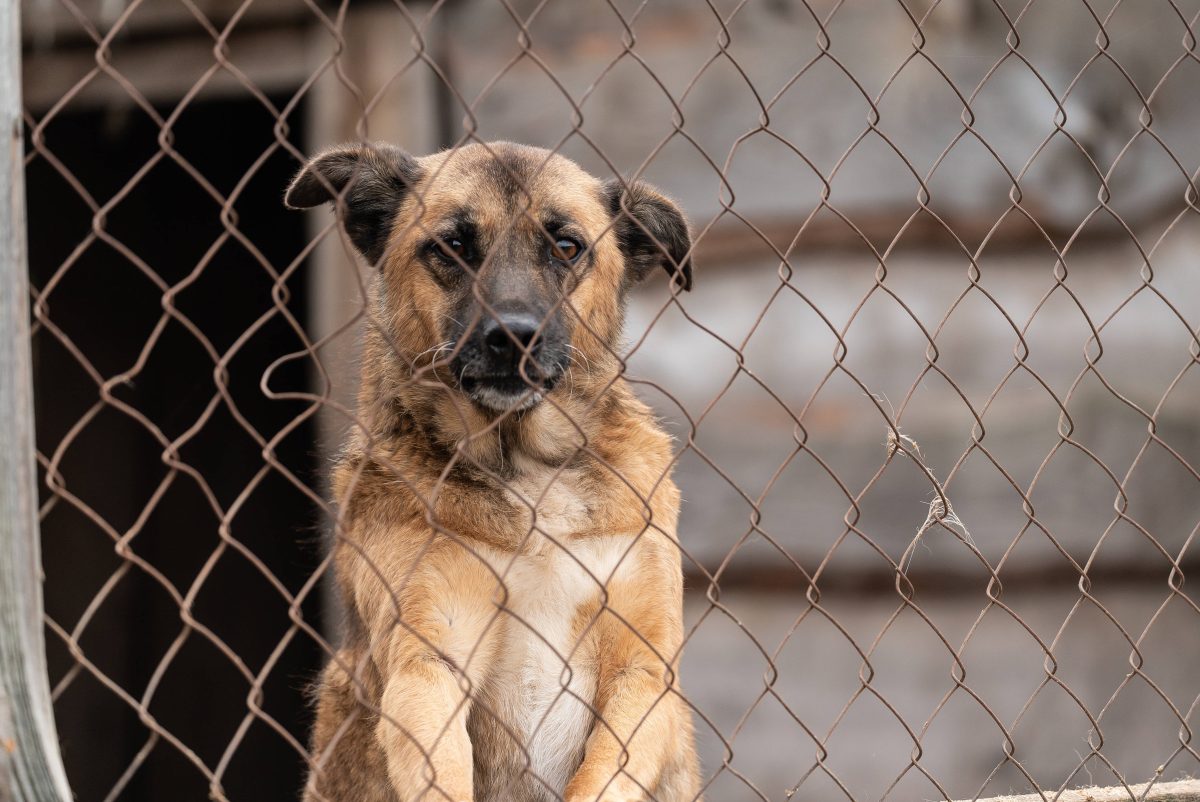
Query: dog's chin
(505, 393)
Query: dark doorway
(194, 671)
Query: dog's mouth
(507, 392)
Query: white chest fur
(544, 679)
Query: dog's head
(507, 263)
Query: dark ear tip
(324, 175)
(305, 191)
(681, 276)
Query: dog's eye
(452, 248)
(449, 249)
(567, 250)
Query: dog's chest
(544, 677)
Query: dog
(506, 546)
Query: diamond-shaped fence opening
(431, 497)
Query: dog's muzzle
(510, 362)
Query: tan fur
(513, 585)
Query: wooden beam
(731, 241)
(31, 768)
(272, 59)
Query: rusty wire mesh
(929, 610)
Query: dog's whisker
(458, 323)
(573, 348)
(585, 366)
(435, 362)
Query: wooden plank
(53, 24)
(273, 60)
(371, 70)
(31, 768)
(1180, 791)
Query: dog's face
(507, 263)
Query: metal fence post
(31, 768)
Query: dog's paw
(602, 786)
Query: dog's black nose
(509, 336)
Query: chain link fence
(934, 397)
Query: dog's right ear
(651, 231)
(371, 179)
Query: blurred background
(968, 222)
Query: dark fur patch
(651, 230)
(371, 179)
(510, 171)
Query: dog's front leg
(638, 727)
(429, 661)
(627, 749)
(423, 732)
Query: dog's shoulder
(633, 437)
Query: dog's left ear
(651, 231)
(372, 180)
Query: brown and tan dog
(507, 551)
